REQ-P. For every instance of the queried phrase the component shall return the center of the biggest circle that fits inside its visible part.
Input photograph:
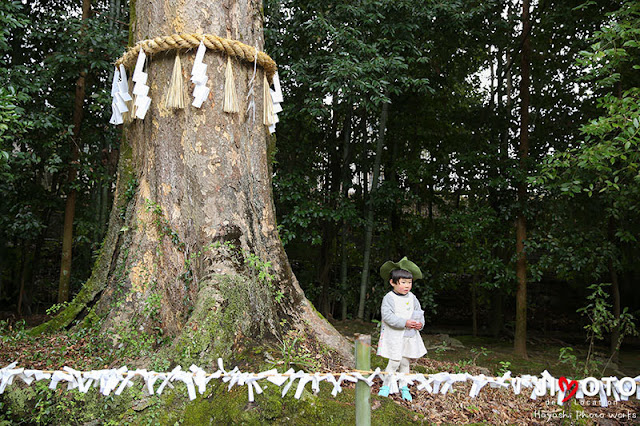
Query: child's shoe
(405, 394)
(384, 391)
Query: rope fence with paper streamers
(127, 107)
(116, 380)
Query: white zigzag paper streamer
(196, 380)
(140, 88)
(120, 95)
(199, 77)
(276, 97)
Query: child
(402, 319)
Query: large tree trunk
(185, 256)
(520, 340)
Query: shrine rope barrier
(115, 380)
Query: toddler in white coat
(402, 320)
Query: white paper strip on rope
(120, 95)
(199, 77)
(117, 104)
(196, 380)
(142, 101)
(276, 97)
(140, 88)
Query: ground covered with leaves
(492, 406)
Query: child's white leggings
(397, 366)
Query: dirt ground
(492, 357)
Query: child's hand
(413, 324)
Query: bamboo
(363, 391)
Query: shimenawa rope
(189, 41)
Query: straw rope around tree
(188, 41)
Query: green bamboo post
(363, 391)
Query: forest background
(402, 135)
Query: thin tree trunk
(493, 84)
(615, 287)
(391, 248)
(615, 295)
(70, 206)
(23, 276)
(333, 182)
(520, 340)
(346, 179)
(344, 265)
(474, 309)
(326, 260)
(504, 140)
(497, 317)
(430, 202)
(364, 283)
(3, 251)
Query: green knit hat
(404, 263)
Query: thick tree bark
(70, 205)
(364, 283)
(199, 233)
(520, 340)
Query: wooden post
(363, 391)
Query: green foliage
(293, 354)
(129, 193)
(44, 49)
(56, 307)
(163, 226)
(479, 352)
(258, 271)
(504, 367)
(602, 321)
(566, 356)
(603, 167)
(13, 332)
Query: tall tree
(520, 340)
(46, 49)
(598, 173)
(358, 68)
(70, 206)
(197, 230)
